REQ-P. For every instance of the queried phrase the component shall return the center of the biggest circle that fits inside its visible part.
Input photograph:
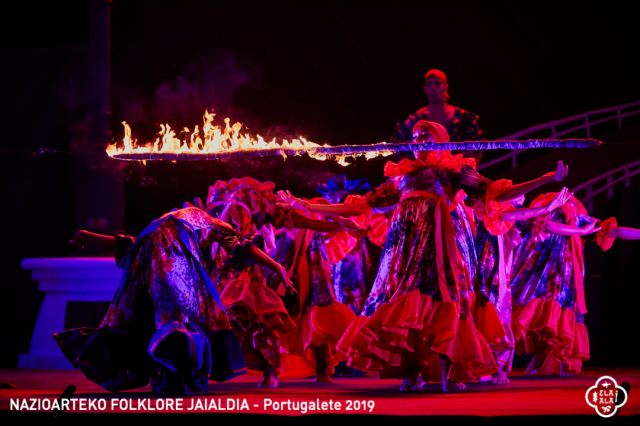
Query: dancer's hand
(288, 284)
(560, 173)
(590, 228)
(80, 239)
(563, 196)
(196, 202)
(287, 198)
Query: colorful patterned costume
(166, 322)
(320, 319)
(462, 127)
(548, 293)
(257, 313)
(355, 260)
(496, 241)
(412, 315)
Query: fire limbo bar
(348, 150)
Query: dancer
(321, 319)
(296, 240)
(414, 309)
(461, 125)
(548, 289)
(256, 312)
(496, 241)
(166, 322)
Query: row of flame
(214, 139)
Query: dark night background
(335, 73)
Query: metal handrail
(590, 189)
(585, 121)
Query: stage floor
(525, 396)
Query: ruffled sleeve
(441, 159)
(405, 166)
(454, 162)
(340, 245)
(358, 201)
(378, 228)
(376, 223)
(494, 209)
(602, 237)
(385, 195)
(497, 188)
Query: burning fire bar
(370, 151)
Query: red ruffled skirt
(559, 342)
(258, 317)
(318, 329)
(405, 331)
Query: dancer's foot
(564, 372)
(419, 384)
(453, 387)
(323, 378)
(532, 368)
(406, 384)
(269, 380)
(501, 378)
(410, 378)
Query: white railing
(606, 182)
(559, 128)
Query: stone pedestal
(64, 280)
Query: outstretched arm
(523, 214)
(625, 233)
(84, 237)
(529, 213)
(522, 188)
(333, 209)
(304, 222)
(264, 259)
(569, 230)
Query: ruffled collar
(440, 159)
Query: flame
(211, 138)
(208, 139)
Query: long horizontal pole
(364, 149)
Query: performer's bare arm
(570, 230)
(625, 233)
(264, 259)
(531, 212)
(304, 222)
(84, 237)
(522, 188)
(331, 209)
